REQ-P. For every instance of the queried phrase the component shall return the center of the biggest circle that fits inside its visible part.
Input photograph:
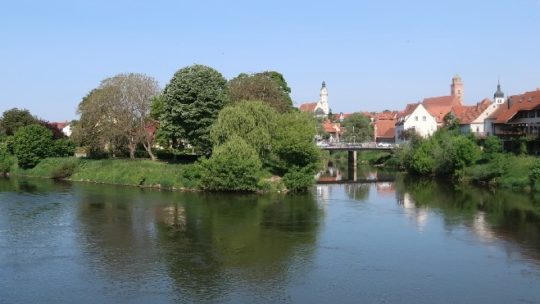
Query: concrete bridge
(353, 148)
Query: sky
(373, 55)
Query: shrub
(63, 148)
(534, 174)
(6, 160)
(234, 166)
(492, 146)
(299, 179)
(31, 144)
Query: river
(408, 241)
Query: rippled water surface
(394, 242)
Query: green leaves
(32, 144)
(192, 101)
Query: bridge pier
(352, 167)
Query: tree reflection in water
(213, 242)
(492, 215)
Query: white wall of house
(481, 125)
(420, 120)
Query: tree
(269, 87)
(451, 122)
(357, 128)
(192, 101)
(14, 119)
(234, 166)
(492, 146)
(254, 122)
(115, 116)
(31, 144)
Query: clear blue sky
(373, 55)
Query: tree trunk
(148, 148)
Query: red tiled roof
(525, 101)
(467, 114)
(385, 128)
(438, 107)
(60, 125)
(308, 107)
(330, 127)
(408, 110)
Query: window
(416, 118)
(424, 118)
(531, 114)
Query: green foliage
(6, 160)
(269, 87)
(442, 154)
(358, 128)
(193, 99)
(63, 148)
(233, 166)
(254, 122)
(534, 174)
(451, 122)
(31, 144)
(492, 146)
(14, 119)
(293, 144)
(299, 179)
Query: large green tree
(14, 119)
(358, 128)
(269, 87)
(255, 122)
(31, 144)
(192, 101)
(116, 115)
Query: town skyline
(372, 58)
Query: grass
(143, 173)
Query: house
(65, 127)
(519, 115)
(384, 127)
(417, 118)
(472, 118)
(320, 108)
(333, 129)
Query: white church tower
(322, 107)
(498, 97)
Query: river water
(406, 241)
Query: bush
(534, 174)
(492, 146)
(234, 166)
(63, 148)
(31, 144)
(299, 179)
(6, 160)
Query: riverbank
(126, 172)
(139, 173)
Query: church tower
(456, 88)
(498, 97)
(322, 106)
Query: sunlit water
(402, 242)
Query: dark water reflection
(409, 241)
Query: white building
(320, 108)
(417, 118)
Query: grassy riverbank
(141, 173)
(138, 172)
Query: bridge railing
(355, 145)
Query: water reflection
(490, 215)
(202, 240)
(343, 243)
